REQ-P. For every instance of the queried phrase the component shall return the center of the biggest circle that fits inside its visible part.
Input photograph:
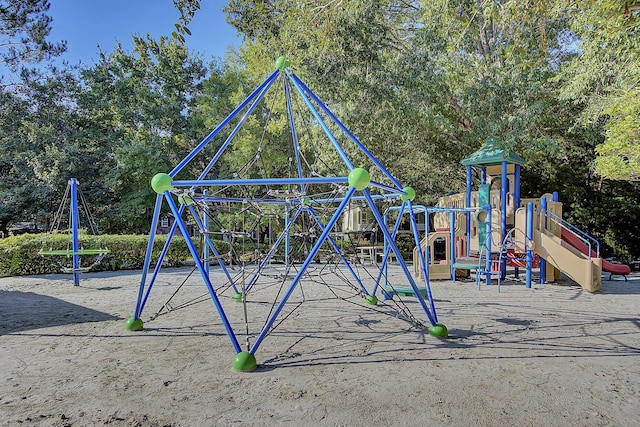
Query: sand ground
(552, 355)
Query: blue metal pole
(294, 134)
(302, 270)
(528, 240)
(287, 225)
(339, 252)
(516, 188)
(205, 236)
(221, 126)
(387, 247)
(421, 256)
(452, 243)
(74, 230)
(158, 266)
(504, 189)
(468, 214)
(432, 316)
(543, 262)
(232, 135)
(259, 181)
(275, 245)
(205, 276)
(209, 245)
(488, 244)
(347, 131)
(147, 256)
(312, 109)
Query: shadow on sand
(23, 311)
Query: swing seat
(67, 252)
(75, 270)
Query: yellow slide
(582, 269)
(585, 271)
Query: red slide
(573, 240)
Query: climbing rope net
(280, 213)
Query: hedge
(19, 254)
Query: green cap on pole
(282, 63)
(161, 182)
(359, 178)
(408, 194)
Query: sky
(85, 24)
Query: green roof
(489, 155)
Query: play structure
(304, 198)
(69, 210)
(493, 227)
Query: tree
(143, 103)
(24, 29)
(603, 76)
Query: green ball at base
(238, 297)
(409, 194)
(438, 331)
(133, 324)
(371, 300)
(244, 362)
(359, 178)
(161, 182)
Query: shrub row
(19, 255)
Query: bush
(19, 254)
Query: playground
(496, 311)
(552, 355)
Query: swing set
(69, 208)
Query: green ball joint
(282, 63)
(408, 193)
(185, 200)
(359, 179)
(134, 324)
(438, 331)
(245, 362)
(161, 182)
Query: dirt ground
(552, 355)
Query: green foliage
(603, 76)
(24, 30)
(19, 254)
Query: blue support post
(205, 226)
(314, 250)
(294, 134)
(504, 189)
(301, 86)
(452, 243)
(516, 188)
(147, 257)
(528, 240)
(74, 231)
(259, 90)
(467, 204)
(200, 267)
(431, 313)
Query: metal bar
(205, 276)
(221, 126)
(302, 270)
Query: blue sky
(85, 24)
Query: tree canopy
(422, 84)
